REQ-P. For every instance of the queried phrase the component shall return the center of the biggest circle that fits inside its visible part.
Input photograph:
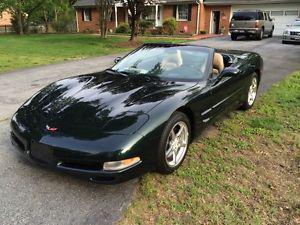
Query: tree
(105, 8)
(136, 9)
(21, 10)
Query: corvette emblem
(52, 129)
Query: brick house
(186, 12)
(193, 16)
(5, 18)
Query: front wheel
(174, 143)
(234, 37)
(251, 94)
(260, 36)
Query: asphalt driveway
(33, 195)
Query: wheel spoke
(180, 131)
(174, 158)
(173, 135)
(169, 152)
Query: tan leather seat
(172, 60)
(218, 65)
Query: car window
(296, 24)
(176, 62)
(246, 16)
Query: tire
(271, 34)
(165, 161)
(251, 94)
(234, 37)
(284, 42)
(260, 36)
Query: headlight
(121, 165)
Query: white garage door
(283, 14)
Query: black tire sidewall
(162, 165)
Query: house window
(87, 15)
(150, 13)
(277, 13)
(291, 13)
(182, 13)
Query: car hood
(111, 102)
(295, 29)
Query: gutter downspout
(198, 15)
(77, 25)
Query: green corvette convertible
(138, 116)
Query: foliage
(156, 31)
(145, 25)
(38, 11)
(123, 28)
(169, 25)
(105, 8)
(136, 9)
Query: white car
(292, 33)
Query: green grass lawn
(31, 50)
(246, 171)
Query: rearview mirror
(118, 59)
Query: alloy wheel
(252, 92)
(177, 144)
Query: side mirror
(118, 59)
(288, 25)
(229, 72)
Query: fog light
(121, 165)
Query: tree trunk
(133, 36)
(20, 22)
(46, 22)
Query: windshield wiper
(117, 72)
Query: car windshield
(296, 24)
(174, 62)
(245, 16)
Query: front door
(159, 18)
(215, 24)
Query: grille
(295, 33)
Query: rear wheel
(234, 37)
(174, 143)
(251, 93)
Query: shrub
(202, 32)
(156, 31)
(169, 26)
(123, 28)
(145, 25)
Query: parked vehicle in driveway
(292, 33)
(138, 116)
(251, 23)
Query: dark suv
(251, 23)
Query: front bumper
(50, 157)
(291, 38)
(245, 31)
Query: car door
(267, 24)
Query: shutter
(82, 14)
(175, 11)
(190, 13)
